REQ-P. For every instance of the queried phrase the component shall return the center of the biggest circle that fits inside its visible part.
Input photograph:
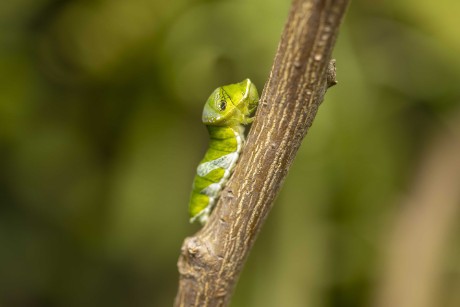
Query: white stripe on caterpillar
(224, 162)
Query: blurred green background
(100, 135)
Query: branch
(211, 260)
(414, 256)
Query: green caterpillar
(225, 113)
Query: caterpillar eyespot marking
(225, 114)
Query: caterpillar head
(231, 105)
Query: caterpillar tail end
(201, 217)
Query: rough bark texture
(212, 259)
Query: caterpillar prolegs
(225, 114)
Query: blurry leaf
(151, 187)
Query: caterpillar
(225, 114)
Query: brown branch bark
(212, 259)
